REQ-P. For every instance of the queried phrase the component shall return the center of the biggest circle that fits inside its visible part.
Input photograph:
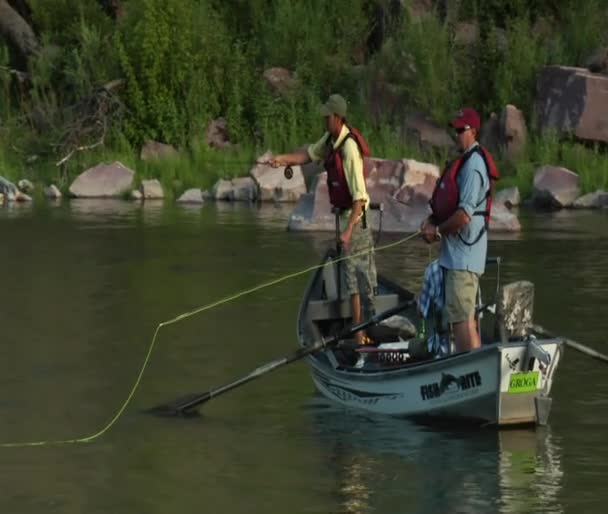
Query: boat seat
(334, 309)
(514, 310)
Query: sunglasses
(460, 130)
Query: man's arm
(313, 153)
(296, 158)
(454, 224)
(355, 215)
(355, 179)
(471, 186)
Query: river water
(86, 283)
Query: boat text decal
(450, 384)
(347, 394)
(523, 382)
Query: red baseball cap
(466, 117)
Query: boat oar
(572, 344)
(183, 406)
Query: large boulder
(302, 217)
(574, 101)
(554, 187)
(418, 183)
(384, 177)
(428, 134)
(403, 187)
(505, 133)
(103, 181)
(274, 186)
(399, 217)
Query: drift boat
(505, 382)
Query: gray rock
(398, 217)
(384, 178)
(508, 197)
(136, 195)
(403, 187)
(428, 134)
(25, 185)
(280, 80)
(595, 200)
(244, 189)
(102, 181)
(222, 190)
(514, 132)
(554, 187)
(419, 180)
(491, 133)
(152, 189)
(302, 217)
(466, 33)
(598, 62)
(8, 189)
(191, 196)
(503, 220)
(573, 101)
(217, 134)
(419, 8)
(52, 192)
(238, 189)
(152, 150)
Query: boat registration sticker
(523, 382)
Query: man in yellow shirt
(342, 149)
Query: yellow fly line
(181, 317)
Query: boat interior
(506, 316)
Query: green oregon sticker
(523, 382)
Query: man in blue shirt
(464, 239)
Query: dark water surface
(85, 284)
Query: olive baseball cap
(335, 105)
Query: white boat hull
(494, 385)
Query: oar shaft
(573, 344)
(321, 344)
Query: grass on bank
(201, 166)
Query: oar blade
(180, 407)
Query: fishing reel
(288, 172)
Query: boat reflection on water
(385, 464)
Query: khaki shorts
(460, 295)
(360, 270)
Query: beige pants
(460, 295)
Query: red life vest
(339, 193)
(446, 196)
